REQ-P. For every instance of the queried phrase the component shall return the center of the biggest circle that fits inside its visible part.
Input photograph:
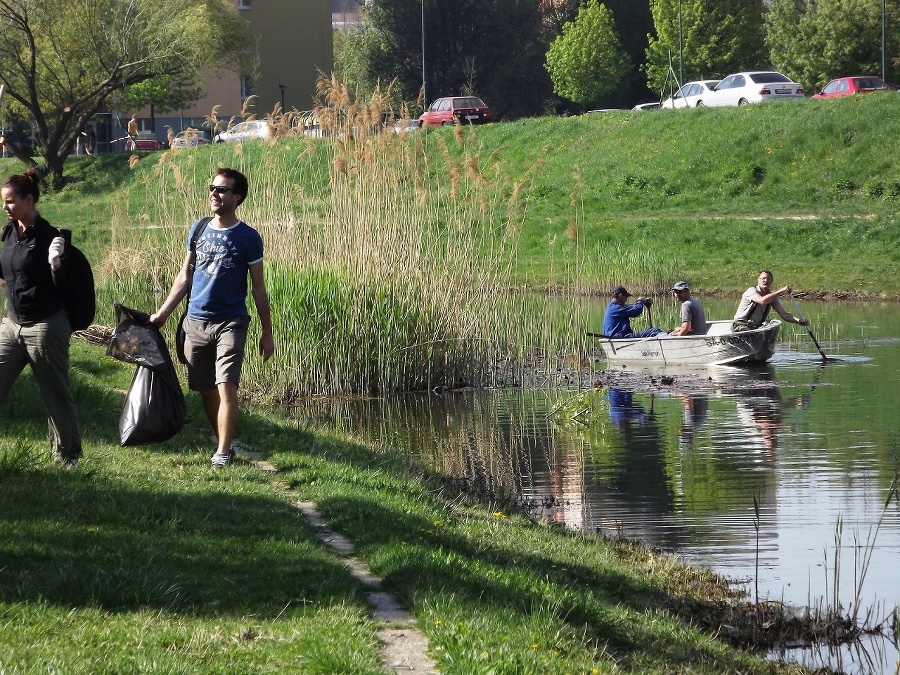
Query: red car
(845, 86)
(447, 110)
(145, 140)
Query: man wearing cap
(617, 319)
(693, 318)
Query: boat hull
(720, 346)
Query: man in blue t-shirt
(618, 315)
(223, 255)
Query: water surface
(776, 477)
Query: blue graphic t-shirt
(224, 257)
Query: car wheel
(446, 123)
(743, 101)
(699, 104)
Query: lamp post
(680, 49)
(282, 88)
(883, 41)
(424, 97)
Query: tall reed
(388, 256)
(378, 281)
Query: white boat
(719, 346)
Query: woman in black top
(36, 331)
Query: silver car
(754, 87)
(691, 94)
(245, 131)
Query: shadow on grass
(430, 549)
(149, 527)
(75, 538)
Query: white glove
(57, 252)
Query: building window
(245, 4)
(247, 87)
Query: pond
(776, 477)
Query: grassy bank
(808, 188)
(144, 560)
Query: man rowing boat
(756, 303)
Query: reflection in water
(696, 408)
(680, 469)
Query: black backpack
(78, 292)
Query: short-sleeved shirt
(692, 310)
(752, 312)
(223, 260)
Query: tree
(586, 62)
(633, 23)
(492, 48)
(61, 60)
(718, 37)
(814, 42)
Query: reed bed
(389, 257)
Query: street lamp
(883, 41)
(282, 88)
(424, 97)
(680, 49)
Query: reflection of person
(756, 302)
(696, 408)
(217, 319)
(36, 331)
(693, 318)
(623, 410)
(617, 318)
(764, 410)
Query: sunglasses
(221, 189)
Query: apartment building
(293, 41)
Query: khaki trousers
(45, 347)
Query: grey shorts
(214, 351)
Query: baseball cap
(680, 286)
(620, 290)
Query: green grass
(145, 560)
(387, 254)
(808, 188)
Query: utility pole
(424, 97)
(680, 48)
(883, 41)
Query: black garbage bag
(154, 408)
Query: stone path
(404, 647)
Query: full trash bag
(154, 409)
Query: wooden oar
(808, 329)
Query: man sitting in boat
(756, 303)
(693, 318)
(617, 319)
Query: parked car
(690, 94)
(858, 84)
(189, 138)
(245, 131)
(144, 140)
(753, 87)
(306, 123)
(404, 126)
(646, 106)
(453, 109)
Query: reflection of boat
(719, 346)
